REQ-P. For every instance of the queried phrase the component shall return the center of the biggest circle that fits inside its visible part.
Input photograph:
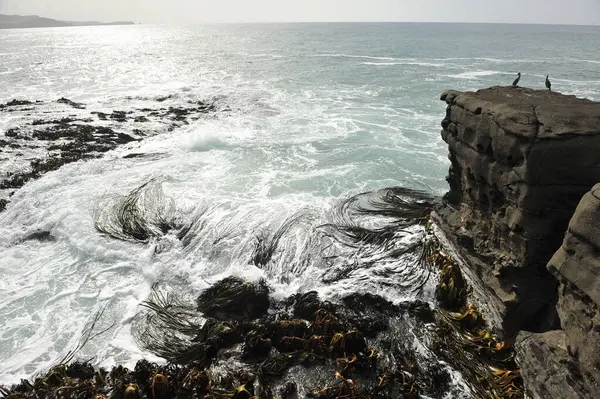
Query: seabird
(517, 79)
(548, 84)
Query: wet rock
(40, 235)
(508, 204)
(256, 346)
(289, 391)
(235, 298)
(119, 116)
(101, 115)
(13, 132)
(285, 332)
(306, 305)
(65, 120)
(163, 98)
(71, 103)
(70, 138)
(14, 103)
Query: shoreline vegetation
(35, 21)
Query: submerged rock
(14, 103)
(72, 103)
(74, 137)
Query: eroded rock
(521, 159)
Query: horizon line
(315, 22)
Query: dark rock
(306, 305)
(14, 103)
(140, 119)
(521, 159)
(578, 259)
(576, 265)
(71, 103)
(57, 121)
(40, 236)
(163, 98)
(101, 115)
(256, 346)
(3, 204)
(12, 132)
(119, 116)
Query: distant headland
(34, 21)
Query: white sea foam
(477, 74)
(425, 64)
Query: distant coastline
(35, 21)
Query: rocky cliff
(521, 160)
(573, 353)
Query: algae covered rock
(235, 299)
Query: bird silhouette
(516, 82)
(548, 84)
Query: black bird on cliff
(548, 84)
(516, 82)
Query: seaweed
(234, 298)
(140, 215)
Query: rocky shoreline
(521, 161)
(517, 312)
(30, 147)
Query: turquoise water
(309, 114)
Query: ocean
(306, 116)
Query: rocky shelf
(43, 136)
(521, 161)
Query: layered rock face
(566, 363)
(521, 161)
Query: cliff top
(516, 109)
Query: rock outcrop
(567, 365)
(521, 160)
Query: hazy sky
(196, 11)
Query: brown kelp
(464, 337)
(143, 213)
(235, 298)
